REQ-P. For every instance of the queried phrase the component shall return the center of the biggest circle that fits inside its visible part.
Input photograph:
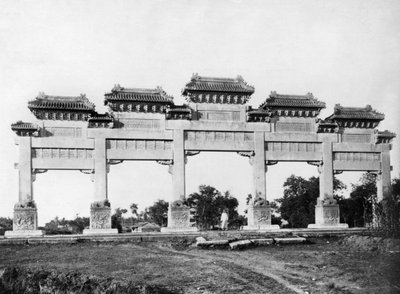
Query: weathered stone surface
(262, 242)
(178, 218)
(25, 219)
(294, 240)
(100, 218)
(240, 244)
(212, 243)
(150, 227)
(327, 216)
(23, 234)
(100, 231)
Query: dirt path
(314, 268)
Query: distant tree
(389, 212)
(209, 203)
(134, 209)
(297, 205)
(357, 209)
(6, 224)
(116, 219)
(157, 213)
(79, 224)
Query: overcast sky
(345, 52)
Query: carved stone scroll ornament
(170, 164)
(249, 154)
(271, 162)
(317, 163)
(88, 172)
(190, 153)
(36, 171)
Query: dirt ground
(323, 266)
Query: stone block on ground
(263, 241)
(241, 244)
(294, 240)
(212, 244)
(149, 227)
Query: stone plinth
(327, 215)
(100, 219)
(178, 218)
(25, 221)
(259, 216)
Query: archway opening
(140, 182)
(225, 171)
(62, 193)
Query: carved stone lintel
(249, 154)
(315, 163)
(165, 162)
(87, 171)
(39, 171)
(114, 161)
(191, 152)
(170, 164)
(246, 154)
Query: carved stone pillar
(25, 212)
(259, 211)
(100, 209)
(384, 182)
(178, 212)
(327, 214)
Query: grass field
(326, 266)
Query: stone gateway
(145, 124)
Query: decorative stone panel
(179, 215)
(218, 136)
(293, 127)
(62, 153)
(122, 144)
(25, 219)
(100, 218)
(293, 146)
(357, 156)
(356, 138)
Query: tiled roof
(210, 84)
(101, 117)
(288, 101)
(44, 101)
(386, 134)
(367, 112)
(119, 93)
(20, 125)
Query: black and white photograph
(200, 147)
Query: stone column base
(178, 218)
(99, 231)
(259, 216)
(25, 221)
(23, 234)
(327, 215)
(100, 219)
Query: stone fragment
(294, 240)
(237, 245)
(263, 241)
(212, 243)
